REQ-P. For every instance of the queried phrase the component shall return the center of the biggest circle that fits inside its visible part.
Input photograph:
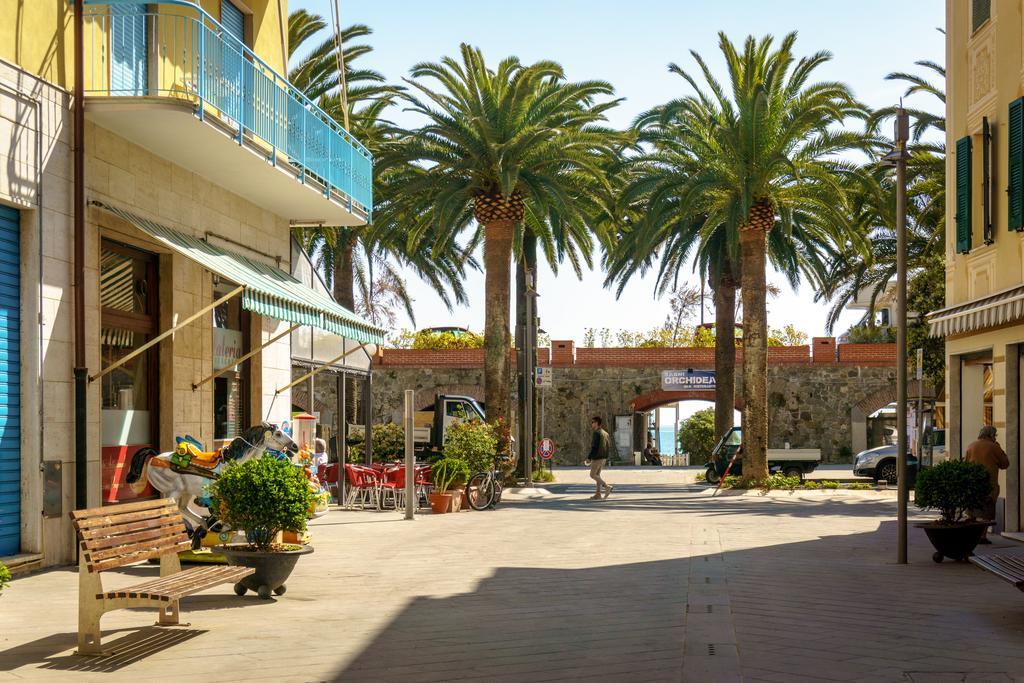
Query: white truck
(431, 425)
(794, 462)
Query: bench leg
(89, 633)
(169, 615)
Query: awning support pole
(159, 338)
(244, 358)
(318, 370)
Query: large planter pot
(272, 568)
(955, 541)
(440, 502)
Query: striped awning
(996, 309)
(268, 290)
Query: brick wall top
(566, 354)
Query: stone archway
(660, 397)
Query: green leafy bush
(811, 485)
(827, 484)
(448, 472)
(472, 441)
(770, 483)
(263, 496)
(388, 443)
(697, 436)
(701, 476)
(954, 488)
(543, 475)
(860, 486)
(5, 576)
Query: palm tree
(765, 152)
(357, 262)
(502, 149)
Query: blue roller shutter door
(10, 382)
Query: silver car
(880, 464)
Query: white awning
(1000, 308)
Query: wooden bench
(117, 535)
(1008, 567)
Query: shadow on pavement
(833, 608)
(133, 646)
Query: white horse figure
(185, 488)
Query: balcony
(173, 80)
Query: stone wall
(811, 404)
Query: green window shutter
(1015, 170)
(963, 195)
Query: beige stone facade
(36, 179)
(985, 74)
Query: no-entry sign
(546, 448)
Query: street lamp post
(899, 156)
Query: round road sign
(546, 448)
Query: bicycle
(484, 488)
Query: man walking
(987, 451)
(600, 447)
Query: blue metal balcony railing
(178, 50)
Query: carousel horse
(182, 474)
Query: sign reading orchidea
(688, 380)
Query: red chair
(394, 484)
(328, 476)
(363, 486)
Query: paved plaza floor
(661, 582)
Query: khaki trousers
(595, 473)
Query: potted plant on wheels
(264, 496)
(446, 472)
(954, 488)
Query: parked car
(793, 462)
(880, 464)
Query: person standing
(986, 451)
(600, 448)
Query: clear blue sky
(630, 45)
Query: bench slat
(1007, 567)
(105, 510)
(116, 518)
(139, 557)
(166, 540)
(93, 545)
(184, 583)
(104, 532)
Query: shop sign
(688, 380)
(227, 347)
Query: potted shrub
(446, 472)
(954, 488)
(264, 496)
(475, 443)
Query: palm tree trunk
(753, 246)
(344, 272)
(725, 354)
(497, 271)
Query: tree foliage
(697, 436)
(473, 442)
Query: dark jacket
(600, 445)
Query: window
(1015, 165)
(230, 342)
(129, 393)
(981, 11)
(963, 195)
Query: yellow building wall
(39, 36)
(984, 74)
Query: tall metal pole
(81, 372)
(902, 133)
(410, 457)
(529, 381)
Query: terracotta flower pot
(440, 502)
(955, 541)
